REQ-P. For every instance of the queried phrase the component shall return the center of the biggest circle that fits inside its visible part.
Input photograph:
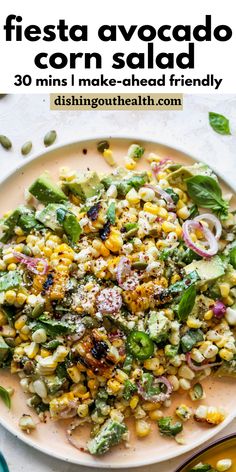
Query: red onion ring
(161, 397)
(126, 278)
(219, 309)
(32, 262)
(157, 167)
(161, 193)
(212, 242)
(214, 220)
(197, 368)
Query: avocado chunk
(158, 326)
(46, 191)
(12, 221)
(124, 182)
(179, 176)
(208, 270)
(85, 186)
(10, 280)
(48, 216)
(4, 349)
(110, 434)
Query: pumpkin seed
(102, 145)
(37, 310)
(5, 142)
(139, 265)
(26, 148)
(50, 138)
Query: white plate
(50, 438)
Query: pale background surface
(27, 117)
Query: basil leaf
(219, 123)
(4, 395)
(186, 303)
(72, 227)
(206, 193)
(111, 213)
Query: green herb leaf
(4, 395)
(206, 193)
(219, 123)
(187, 303)
(111, 213)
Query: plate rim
(26, 439)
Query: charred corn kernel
(10, 296)
(11, 266)
(21, 298)
(133, 197)
(2, 265)
(175, 278)
(183, 213)
(208, 315)
(134, 402)
(114, 241)
(45, 353)
(39, 336)
(31, 350)
(142, 428)
(26, 423)
(152, 364)
(74, 374)
(226, 355)
(113, 386)
(146, 194)
(167, 227)
(209, 414)
(108, 156)
(20, 322)
(185, 372)
(224, 289)
(193, 322)
(159, 371)
(155, 414)
(130, 163)
(93, 384)
(121, 376)
(83, 410)
(60, 353)
(150, 406)
(223, 464)
(185, 384)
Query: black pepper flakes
(92, 213)
(105, 231)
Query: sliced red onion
(109, 300)
(32, 262)
(163, 194)
(157, 167)
(210, 238)
(77, 443)
(126, 278)
(197, 368)
(160, 397)
(215, 221)
(219, 309)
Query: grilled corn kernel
(208, 315)
(2, 265)
(183, 213)
(3, 319)
(113, 386)
(152, 364)
(224, 289)
(26, 423)
(20, 298)
(193, 322)
(9, 258)
(40, 388)
(223, 464)
(174, 382)
(134, 401)
(155, 414)
(83, 410)
(108, 156)
(45, 353)
(130, 163)
(11, 266)
(133, 197)
(146, 194)
(168, 227)
(60, 353)
(121, 376)
(142, 428)
(10, 296)
(20, 322)
(175, 278)
(39, 336)
(74, 374)
(150, 406)
(185, 372)
(226, 355)
(7, 331)
(31, 350)
(184, 384)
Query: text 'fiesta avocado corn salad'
(116, 291)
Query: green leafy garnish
(111, 213)
(206, 193)
(219, 123)
(187, 303)
(70, 224)
(173, 194)
(4, 395)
